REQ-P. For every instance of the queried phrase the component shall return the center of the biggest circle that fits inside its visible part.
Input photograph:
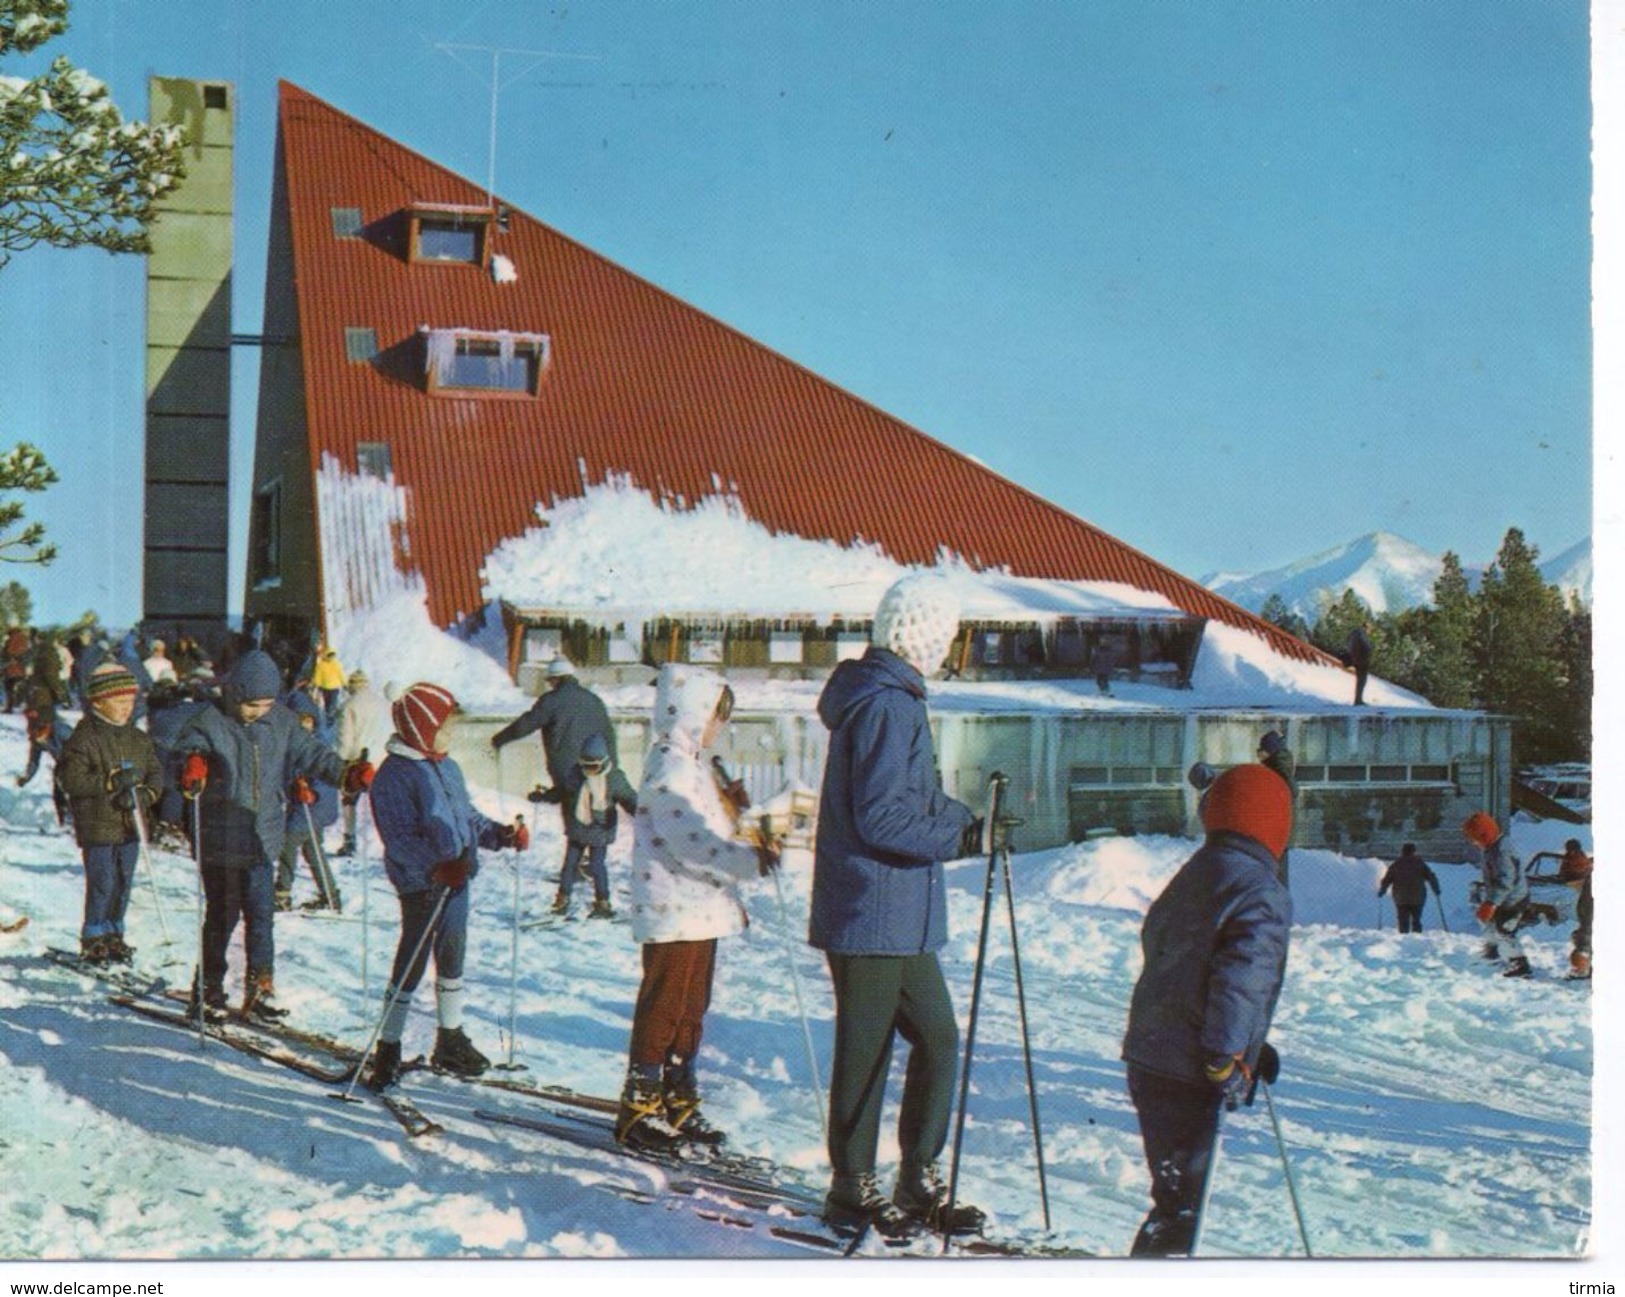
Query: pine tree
(1338, 620)
(1276, 613)
(23, 468)
(73, 171)
(1576, 654)
(1519, 646)
(1449, 676)
(16, 604)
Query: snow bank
(1239, 669)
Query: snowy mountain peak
(1387, 571)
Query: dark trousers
(230, 893)
(109, 875)
(1178, 1120)
(449, 943)
(1410, 916)
(877, 998)
(676, 992)
(573, 869)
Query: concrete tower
(189, 369)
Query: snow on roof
(617, 553)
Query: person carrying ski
(313, 804)
(1215, 947)
(686, 869)
(879, 914)
(110, 772)
(432, 835)
(1410, 877)
(364, 727)
(593, 791)
(1503, 893)
(238, 759)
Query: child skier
(592, 790)
(686, 870)
(431, 834)
(238, 760)
(1503, 893)
(110, 772)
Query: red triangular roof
(641, 384)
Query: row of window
(1163, 776)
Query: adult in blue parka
(879, 912)
(1215, 946)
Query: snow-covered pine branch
(73, 171)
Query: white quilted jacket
(686, 865)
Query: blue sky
(1235, 281)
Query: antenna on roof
(496, 52)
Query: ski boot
(1166, 1235)
(641, 1122)
(322, 903)
(682, 1097)
(94, 951)
(213, 1008)
(601, 910)
(385, 1069)
(1579, 967)
(259, 999)
(346, 848)
(922, 1194)
(1518, 966)
(854, 1203)
(117, 951)
(283, 901)
(455, 1053)
(560, 906)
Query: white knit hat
(917, 620)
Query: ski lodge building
(435, 362)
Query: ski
(280, 1030)
(123, 976)
(227, 1033)
(412, 1118)
(16, 925)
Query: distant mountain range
(1389, 572)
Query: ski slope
(1430, 1108)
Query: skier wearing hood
(686, 869)
(239, 758)
(879, 912)
(1215, 945)
(432, 835)
(1503, 893)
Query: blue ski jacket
(1215, 946)
(884, 823)
(424, 815)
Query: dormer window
(445, 234)
(471, 362)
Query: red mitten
(519, 836)
(194, 774)
(450, 873)
(357, 778)
(303, 792)
(1486, 911)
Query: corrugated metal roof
(640, 383)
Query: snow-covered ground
(1429, 1107)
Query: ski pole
(141, 837)
(1026, 1040)
(324, 873)
(513, 979)
(362, 832)
(197, 856)
(1286, 1166)
(1439, 905)
(1207, 1181)
(997, 781)
(801, 1006)
(395, 994)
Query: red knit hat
(1253, 801)
(419, 713)
(1481, 829)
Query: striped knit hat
(419, 713)
(111, 680)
